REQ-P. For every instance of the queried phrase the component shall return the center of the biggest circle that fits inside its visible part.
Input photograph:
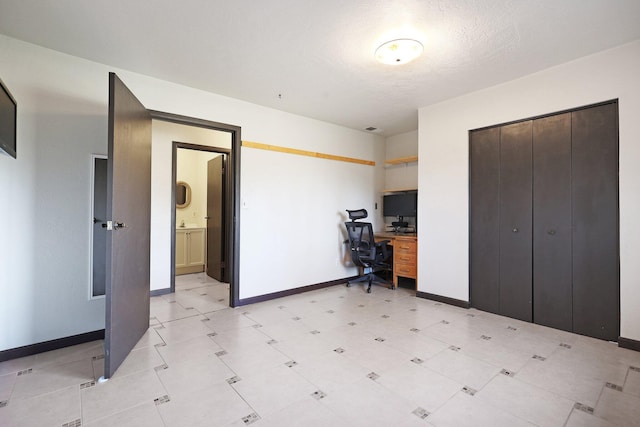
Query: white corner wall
(443, 171)
(290, 230)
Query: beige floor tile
(52, 377)
(632, 383)
(525, 401)
(582, 419)
(45, 410)
(618, 408)
(120, 393)
(145, 415)
(6, 385)
(463, 369)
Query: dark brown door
(516, 221)
(552, 276)
(484, 184)
(128, 209)
(596, 280)
(215, 219)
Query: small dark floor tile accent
(634, 368)
(339, 350)
(471, 315)
(203, 294)
(485, 337)
(385, 316)
(319, 394)
(445, 322)
(206, 319)
(421, 413)
(380, 339)
(342, 296)
(250, 419)
(281, 307)
(470, 391)
(511, 328)
(313, 301)
(74, 423)
(162, 344)
(417, 361)
(233, 380)
(162, 399)
(212, 334)
(159, 327)
(161, 367)
(352, 323)
(257, 325)
(540, 358)
(221, 353)
(563, 345)
(172, 302)
(373, 376)
(330, 311)
(507, 373)
(4, 403)
(388, 300)
(438, 303)
(613, 386)
(87, 384)
(296, 318)
(414, 330)
(314, 332)
(360, 305)
(584, 408)
(98, 357)
(272, 342)
(413, 309)
(25, 372)
(246, 312)
(291, 363)
(454, 348)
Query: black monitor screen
(7, 121)
(402, 204)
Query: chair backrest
(361, 242)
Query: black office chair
(372, 256)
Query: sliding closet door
(596, 289)
(552, 276)
(516, 221)
(484, 226)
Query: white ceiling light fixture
(399, 51)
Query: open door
(128, 224)
(215, 219)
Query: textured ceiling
(318, 55)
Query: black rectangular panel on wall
(552, 275)
(516, 221)
(484, 202)
(596, 280)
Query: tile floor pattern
(332, 357)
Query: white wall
(290, 229)
(163, 136)
(443, 170)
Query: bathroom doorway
(201, 242)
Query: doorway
(200, 193)
(231, 205)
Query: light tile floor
(332, 357)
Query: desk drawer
(410, 271)
(404, 258)
(405, 246)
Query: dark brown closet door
(516, 221)
(596, 289)
(552, 287)
(484, 185)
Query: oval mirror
(183, 195)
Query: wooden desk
(405, 254)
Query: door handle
(551, 232)
(117, 225)
(515, 229)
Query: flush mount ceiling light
(399, 51)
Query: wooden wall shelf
(400, 160)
